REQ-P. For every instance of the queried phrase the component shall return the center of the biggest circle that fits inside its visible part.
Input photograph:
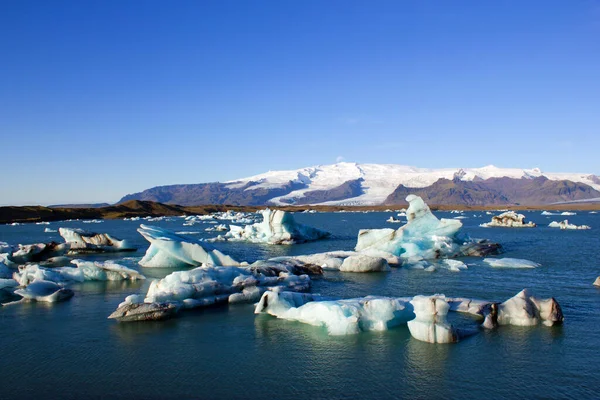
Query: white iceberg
(508, 262)
(549, 213)
(277, 227)
(430, 323)
(568, 213)
(84, 271)
(509, 219)
(218, 228)
(44, 291)
(597, 281)
(49, 230)
(524, 310)
(345, 261)
(131, 311)
(339, 317)
(424, 236)
(566, 225)
(170, 250)
(393, 220)
(82, 241)
(37, 252)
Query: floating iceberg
(44, 291)
(170, 250)
(84, 271)
(568, 213)
(35, 253)
(277, 227)
(49, 230)
(549, 213)
(82, 241)
(340, 317)
(218, 228)
(393, 220)
(129, 311)
(345, 261)
(524, 310)
(207, 285)
(566, 225)
(424, 236)
(597, 281)
(510, 263)
(509, 219)
(430, 323)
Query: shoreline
(134, 208)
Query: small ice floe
(208, 285)
(49, 230)
(430, 323)
(170, 250)
(32, 253)
(393, 220)
(188, 233)
(511, 263)
(566, 225)
(524, 310)
(277, 227)
(344, 261)
(217, 228)
(42, 223)
(82, 241)
(131, 311)
(549, 213)
(509, 219)
(597, 282)
(44, 291)
(568, 213)
(424, 236)
(92, 221)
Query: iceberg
(82, 241)
(34, 253)
(509, 219)
(566, 225)
(129, 311)
(510, 263)
(84, 271)
(393, 220)
(170, 250)
(430, 323)
(345, 261)
(208, 285)
(424, 236)
(44, 291)
(339, 317)
(277, 227)
(597, 282)
(568, 213)
(524, 310)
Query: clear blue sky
(99, 99)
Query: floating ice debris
(393, 220)
(430, 323)
(82, 241)
(568, 213)
(524, 310)
(597, 281)
(128, 311)
(549, 213)
(49, 230)
(92, 221)
(219, 228)
(424, 236)
(345, 261)
(84, 271)
(204, 286)
(277, 227)
(44, 291)
(170, 250)
(188, 233)
(340, 317)
(509, 219)
(566, 225)
(510, 263)
(42, 223)
(38, 252)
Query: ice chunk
(339, 317)
(49, 230)
(170, 250)
(84, 271)
(45, 291)
(364, 263)
(568, 213)
(345, 261)
(424, 235)
(82, 241)
(509, 219)
(35, 253)
(525, 310)
(510, 263)
(430, 323)
(597, 281)
(566, 225)
(277, 227)
(144, 312)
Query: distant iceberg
(597, 281)
(277, 227)
(170, 250)
(509, 219)
(82, 241)
(566, 225)
(510, 263)
(424, 236)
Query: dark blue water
(70, 349)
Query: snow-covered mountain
(373, 184)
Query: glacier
(424, 236)
(82, 241)
(170, 250)
(509, 219)
(277, 227)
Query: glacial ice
(44, 291)
(566, 225)
(424, 236)
(568, 213)
(84, 271)
(509, 219)
(170, 250)
(430, 323)
(277, 227)
(136, 311)
(339, 317)
(524, 310)
(28, 253)
(345, 261)
(82, 241)
(597, 281)
(508, 262)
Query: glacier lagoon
(72, 350)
